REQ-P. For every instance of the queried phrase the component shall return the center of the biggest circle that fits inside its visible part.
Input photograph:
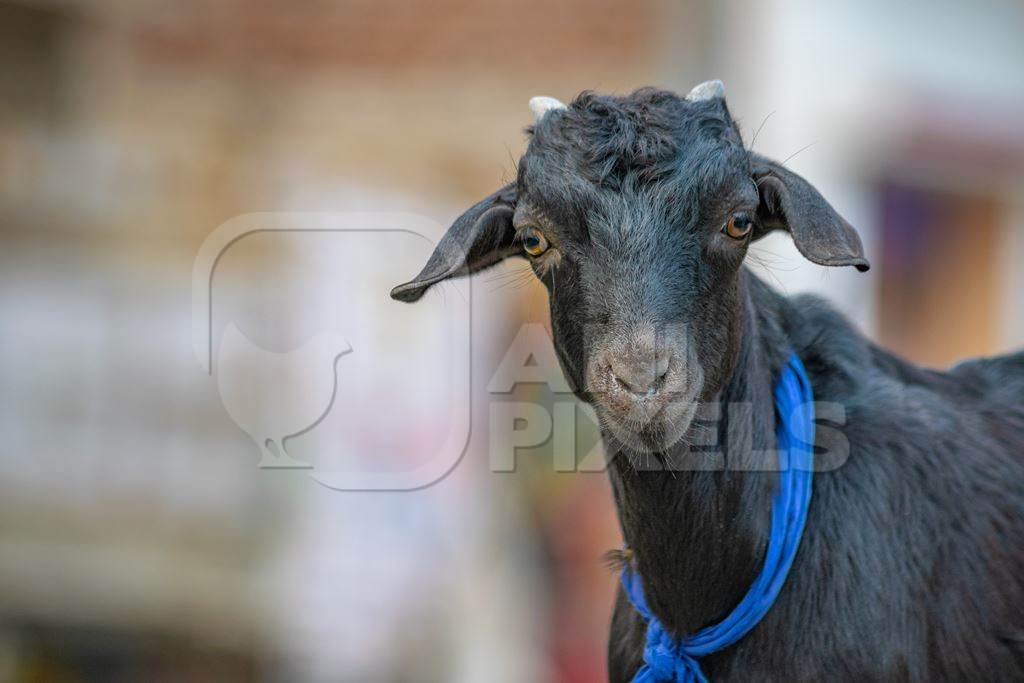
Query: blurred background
(139, 538)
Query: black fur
(909, 568)
(911, 563)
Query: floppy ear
(477, 239)
(788, 202)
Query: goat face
(636, 213)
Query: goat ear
(477, 239)
(788, 202)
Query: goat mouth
(647, 407)
(660, 429)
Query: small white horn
(708, 90)
(542, 105)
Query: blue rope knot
(667, 660)
(671, 660)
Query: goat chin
(650, 434)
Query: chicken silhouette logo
(276, 396)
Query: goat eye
(738, 226)
(534, 243)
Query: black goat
(636, 213)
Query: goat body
(910, 565)
(636, 213)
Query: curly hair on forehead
(635, 139)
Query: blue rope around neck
(676, 661)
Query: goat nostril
(661, 367)
(622, 384)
